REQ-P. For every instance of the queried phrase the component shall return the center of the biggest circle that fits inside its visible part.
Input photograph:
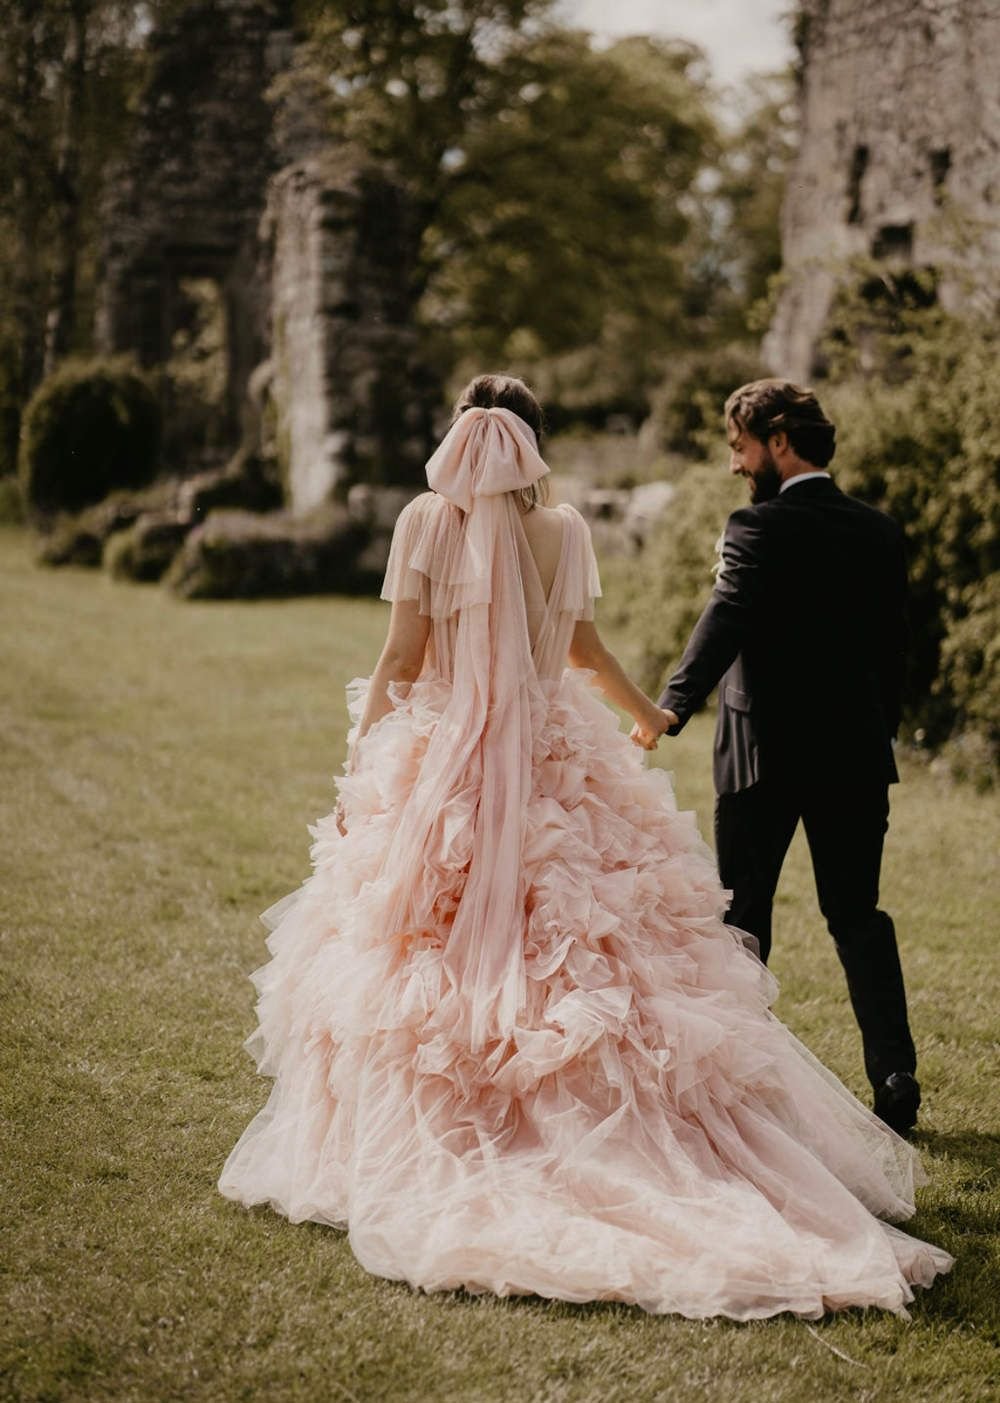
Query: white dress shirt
(801, 477)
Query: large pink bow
(485, 452)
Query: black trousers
(845, 824)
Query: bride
(514, 1047)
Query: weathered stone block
(145, 549)
(80, 539)
(900, 125)
(250, 487)
(354, 400)
(243, 555)
(377, 507)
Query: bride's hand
(648, 731)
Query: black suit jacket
(806, 633)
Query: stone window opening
(904, 289)
(893, 243)
(902, 284)
(196, 371)
(940, 166)
(855, 179)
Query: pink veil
(468, 802)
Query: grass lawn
(162, 761)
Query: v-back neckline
(548, 597)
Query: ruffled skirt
(648, 1132)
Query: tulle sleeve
(580, 581)
(428, 559)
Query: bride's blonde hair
(508, 392)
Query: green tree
(731, 254)
(752, 175)
(67, 69)
(550, 182)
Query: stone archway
(187, 201)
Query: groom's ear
(778, 442)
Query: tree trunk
(26, 196)
(60, 322)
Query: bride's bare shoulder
(544, 516)
(570, 518)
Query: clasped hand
(648, 732)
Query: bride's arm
(587, 649)
(401, 659)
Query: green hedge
(924, 445)
(11, 502)
(653, 600)
(90, 427)
(918, 434)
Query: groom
(805, 635)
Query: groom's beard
(765, 483)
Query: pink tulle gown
(514, 1047)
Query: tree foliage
(918, 427)
(554, 184)
(918, 434)
(655, 598)
(752, 172)
(578, 213)
(67, 72)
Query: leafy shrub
(248, 486)
(970, 657)
(688, 403)
(246, 555)
(925, 448)
(145, 550)
(655, 598)
(79, 538)
(918, 429)
(10, 408)
(90, 427)
(11, 502)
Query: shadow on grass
(980, 1148)
(965, 1222)
(623, 1313)
(612, 1312)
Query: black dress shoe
(896, 1102)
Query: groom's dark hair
(766, 407)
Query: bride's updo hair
(508, 392)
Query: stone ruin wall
(328, 385)
(311, 252)
(352, 392)
(306, 450)
(899, 144)
(188, 199)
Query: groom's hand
(648, 734)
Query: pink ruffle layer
(649, 1132)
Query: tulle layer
(438, 561)
(645, 1130)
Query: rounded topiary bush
(90, 427)
(144, 550)
(11, 502)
